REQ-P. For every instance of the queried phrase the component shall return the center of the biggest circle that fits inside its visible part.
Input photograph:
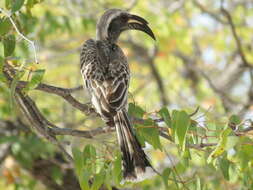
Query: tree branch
(40, 124)
(65, 93)
(33, 115)
(236, 37)
(81, 133)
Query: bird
(105, 71)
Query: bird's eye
(124, 18)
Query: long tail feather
(136, 166)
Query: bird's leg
(110, 125)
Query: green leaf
(1, 64)
(135, 110)
(7, 139)
(98, 180)
(198, 184)
(116, 171)
(174, 124)
(2, 78)
(14, 83)
(7, 4)
(30, 3)
(56, 173)
(78, 160)
(83, 174)
(186, 157)
(37, 77)
(89, 158)
(165, 176)
(194, 128)
(5, 26)
(180, 124)
(89, 152)
(234, 120)
(231, 142)
(245, 155)
(164, 113)
(84, 180)
(9, 45)
(140, 138)
(108, 179)
(175, 179)
(16, 5)
(220, 148)
(1, 69)
(183, 125)
(224, 166)
(150, 133)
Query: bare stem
(32, 43)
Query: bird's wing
(107, 82)
(117, 84)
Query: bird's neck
(102, 35)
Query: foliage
(198, 62)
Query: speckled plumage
(106, 75)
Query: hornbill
(106, 75)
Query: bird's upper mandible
(115, 21)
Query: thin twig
(207, 11)
(175, 170)
(236, 37)
(32, 43)
(195, 112)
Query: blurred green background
(202, 58)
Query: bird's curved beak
(138, 23)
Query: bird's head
(115, 21)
